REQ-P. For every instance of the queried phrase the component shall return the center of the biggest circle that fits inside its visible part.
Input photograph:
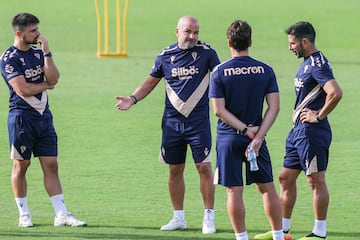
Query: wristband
(243, 132)
(48, 54)
(318, 118)
(134, 99)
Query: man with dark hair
(308, 142)
(28, 72)
(238, 88)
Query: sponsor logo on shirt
(184, 73)
(34, 73)
(244, 70)
(298, 83)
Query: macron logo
(244, 70)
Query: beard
(300, 53)
(187, 44)
(30, 41)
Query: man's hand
(308, 115)
(44, 44)
(124, 103)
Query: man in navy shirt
(238, 89)
(308, 142)
(28, 72)
(185, 67)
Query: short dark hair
(239, 35)
(302, 30)
(22, 20)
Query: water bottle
(251, 157)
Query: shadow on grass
(101, 232)
(139, 232)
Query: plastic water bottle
(251, 157)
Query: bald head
(187, 32)
(186, 20)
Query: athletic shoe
(268, 236)
(174, 224)
(208, 226)
(25, 220)
(312, 236)
(68, 220)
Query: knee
(176, 170)
(316, 183)
(204, 169)
(282, 179)
(20, 167)
(287, 177)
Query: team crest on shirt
(37, 55)
(194, 55)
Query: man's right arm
(25, 89)
(140, 93)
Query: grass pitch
(108, 159)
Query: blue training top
(243, 82)
(30, 64)
(186, 74)
(314, 70)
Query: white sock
(278, 235)
(286, 222)
(242, 236)
(209, 214)
(179, 214)
(320, 228)
(59, 205)
(22, 204)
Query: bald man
(185, 67)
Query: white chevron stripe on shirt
(38, 105)
(185, 108)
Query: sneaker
(25, 220)
(312, 236)
(268, 236)
(208, 226)
(174, 224)
(264, 236)
(68, 220)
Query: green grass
(108, 159)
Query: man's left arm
(333, 96)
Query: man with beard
(28, 72)
(308, 142)
(186, 67)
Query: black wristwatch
(48, 54)
(318, 118)
(243, 132)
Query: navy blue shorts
(177, 136)
(307, 149)
(230, 152)
(29, 136)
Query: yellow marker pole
(98, 27)
(106, 26)
(120, 52)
